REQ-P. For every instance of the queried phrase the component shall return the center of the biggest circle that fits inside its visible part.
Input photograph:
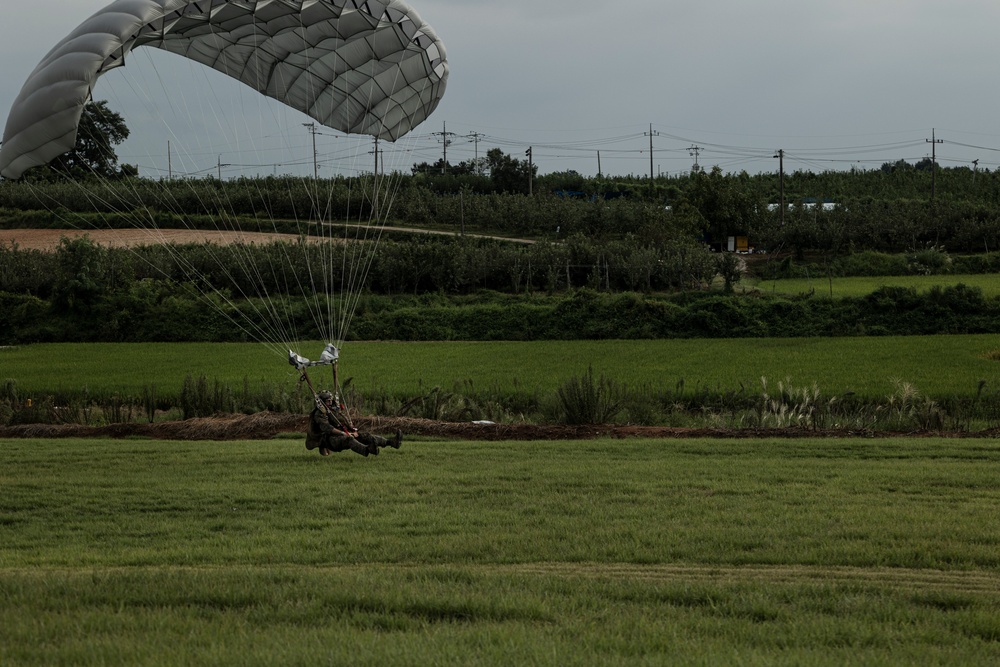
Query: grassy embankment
(615, 553)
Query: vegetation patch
(895, 384)
(854, 551)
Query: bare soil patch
(48, 239)
(266, 425)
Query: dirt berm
(265, 425)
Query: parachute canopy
(358, 66)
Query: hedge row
(80, 270)
(583, 314)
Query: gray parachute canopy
(359, 66)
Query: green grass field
(708, 552)
(860, 286)
(870, 366)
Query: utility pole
(975, 168)
(694, 152)
(933, 141)
(599, 172)
(312, 130)
(651, 134)
(531, 171)
(220, 166)
(476, 137)
(170, 164)
(781, 181)
(444, 134)
(375, 183)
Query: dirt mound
(265, 425)
(262, 425)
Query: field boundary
(267, 425)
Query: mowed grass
(762, 552)
(871, 366)
(862, 285)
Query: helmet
(325, 396)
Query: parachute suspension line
(355, 275)
(100, 203)
(327, 254)
(222, 204)
(276, 311)
(291, 276)
(261, 316)
(248, 275)
(254, 286)
(359, 261)
(378, 218)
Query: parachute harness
(329, 357)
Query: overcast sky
(834, 83)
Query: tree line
(899, 207)
(887, 211)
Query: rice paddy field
(860, 286)
(607, 552)
(870, 366)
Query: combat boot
(359, 448)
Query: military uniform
(327, 435)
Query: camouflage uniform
(327, 435)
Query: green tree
(730, 204)
(100, 130)
(509, 174)
(82, 271)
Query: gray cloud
(815, 78)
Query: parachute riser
(338, 397)
(304, 377)
(329, 357)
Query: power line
(618, 146)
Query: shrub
(582, 400)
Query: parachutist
(329, 433)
